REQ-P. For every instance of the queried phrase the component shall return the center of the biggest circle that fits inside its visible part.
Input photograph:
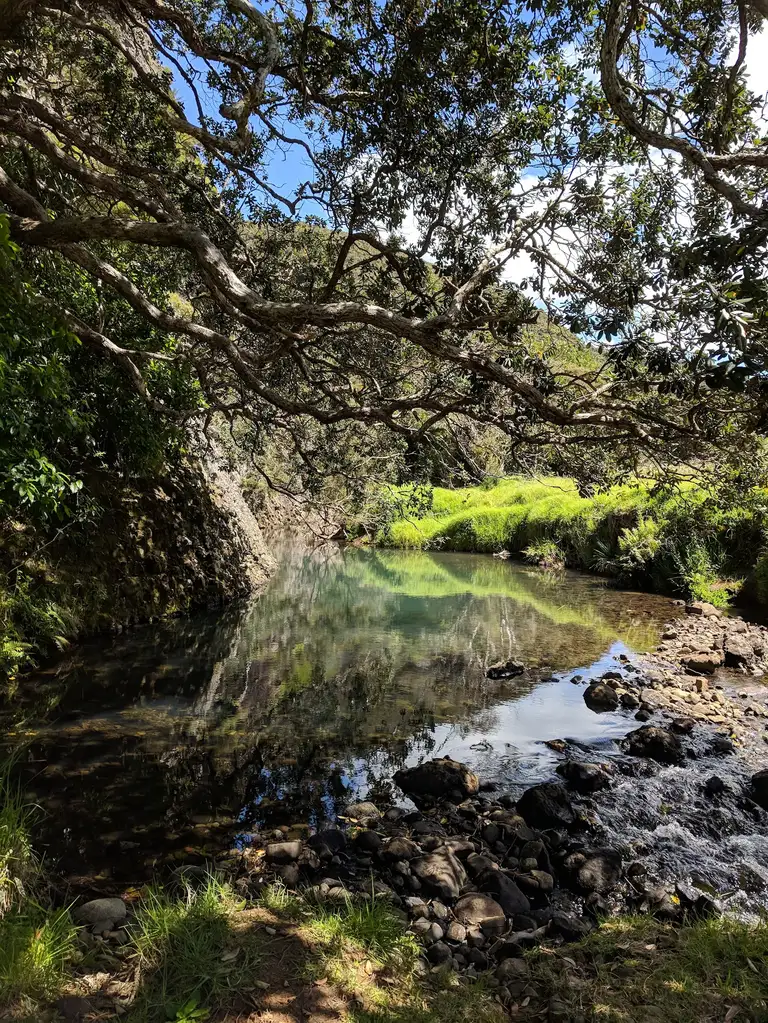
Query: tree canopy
(313, 215)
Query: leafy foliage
(458, 169)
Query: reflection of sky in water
(347, 668)
(512, 749)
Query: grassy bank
(204, 953)
(690, 540)
(204, 947)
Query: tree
(142, 156)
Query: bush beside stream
(691, 540)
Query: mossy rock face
(153, 549)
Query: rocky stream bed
(480, 875)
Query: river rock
(512, 970)
(759, 788)
(655, 744)
(364, 811)
(595, 870)
(436, 779)
(456, 932)
(330, 841)
(401, 849)
(599, 697)
(547, 806)
(682, 725)
(422, 928)
(102, 914)
(477, 910)
(714, 786)
(701, 607)
(505, 892)
(568, 927)
(505, 669)
(283, 852)
(440, 872)
(416, 907)
(704, 661)
(461, 847)
(368, 841)
(477, 864)
(738, 651)
(721, 745)
(438, 953)
(585, 778)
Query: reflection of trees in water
(337, 675)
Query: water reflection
(174, 739)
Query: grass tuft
(18, 863)
(36, 951)
(279, 899)
(369, 927)
(186, 952)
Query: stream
(172, 742)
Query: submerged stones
(437, 779)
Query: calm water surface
(173, 741)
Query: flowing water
(174, 741)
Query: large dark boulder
(440, 872)
(599, 697)
(547, 806)
(505, 892)
(655, 744)
(437, 779)
(759, 788)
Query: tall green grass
(18, 863)
(685, 539)
(187, 955)
(36, 946)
